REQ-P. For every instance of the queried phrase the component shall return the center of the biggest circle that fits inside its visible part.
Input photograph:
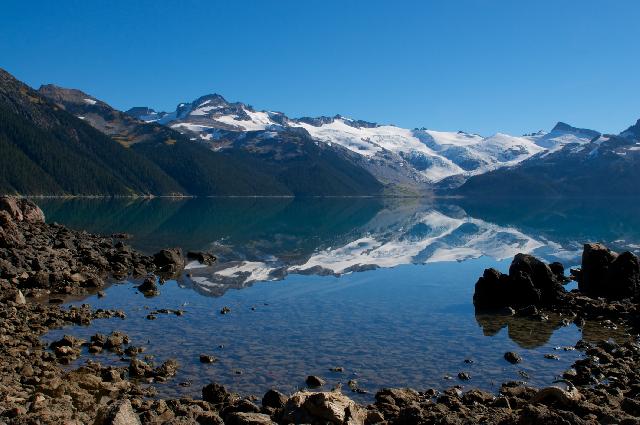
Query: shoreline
(35, 387)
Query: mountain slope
(283, 163)
(605, 166)
(48, 151)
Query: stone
(118, 413)
(314, 381)
(206, 358)
(149, 287)
(248, 418)
(20, 299)
(623, 278)
(201, 257)
(169, 260)
(322, 407)
(216, 394)
(274, 399)
(596, 259)
(512, 357)
(20, 209)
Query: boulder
(512, 357)
(20, 209)
(607, 274)
(274, 399)
(217, 394)
(529, 282)
(491, 289)
(248, 418)
(596, 259)
(624, 277)
(322, 407)
(314, 381)
(544, 280)
(169, 260)
(149, 287)
(117, 413)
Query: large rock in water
(169, 260)
(21, 209)
(607, 274)
(529, 282)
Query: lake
(379, 287)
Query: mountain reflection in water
(262, 239)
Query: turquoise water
(382, 288)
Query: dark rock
(169, 260)
(558, 270)
(167, 369)
(540, 275)
(201, 257)
(274, 399)
(529, 282)
(139, 369)
(512, 357)
(225, 310)
(596, 259)
(491, 289)
(313, 381)
(149, 287)
(464, 376)
(623, 279)
(206, 358)
(216, 394)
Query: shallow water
(380, 288)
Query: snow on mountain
(420, 155)
(562, 135)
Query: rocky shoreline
(42, 264)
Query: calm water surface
(382, 288)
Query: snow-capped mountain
(578, 163)
(393, 154)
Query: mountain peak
(632, 132)
(566, 128)
(62, 95)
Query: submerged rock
(512, 357)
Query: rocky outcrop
(20, 209)
(607, 274)
(529, 282)
(42, 259)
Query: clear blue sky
(482, 66)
